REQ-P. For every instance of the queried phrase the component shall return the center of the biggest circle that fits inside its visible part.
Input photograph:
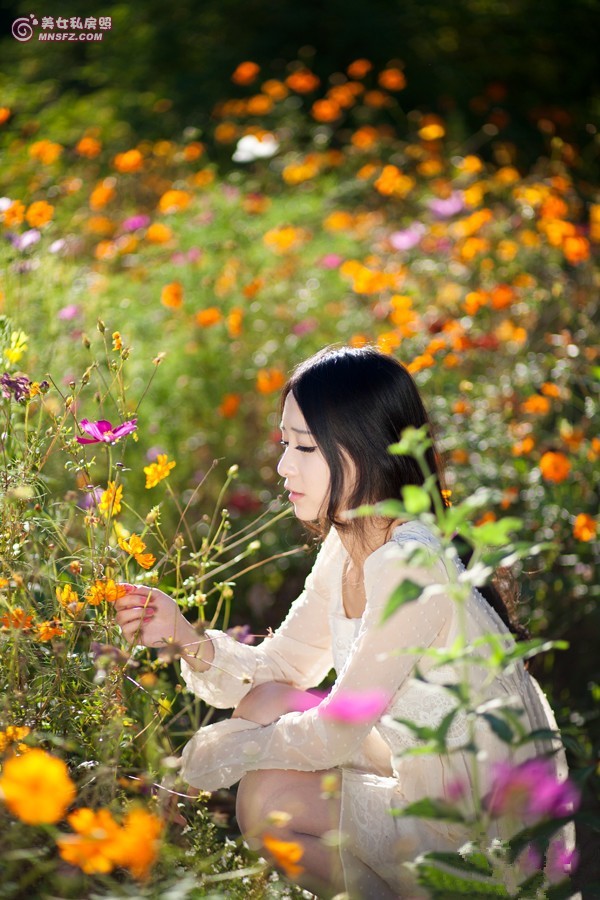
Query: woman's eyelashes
(302, 449)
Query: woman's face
(302, 465)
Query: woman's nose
(285, 466)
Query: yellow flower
(36, 787)
(68, 599)
(110, 501)
(104, 591)
(135, 547)
(117, 341)
(285, 853)
(158, 470)
(92, 848)
(18, 346)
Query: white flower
(250, 148)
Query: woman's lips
(294, 495)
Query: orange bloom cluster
(36, 787)
(554, 466)
(302, 81)
(393, 183)
(286, 854)
(99, 843)
(369, 281)
(171, 295)
(105, 591)
(12, 737)
(45, 152)
(585, 528)
(130, 161)
(284, 238)
(245, 73)
(269, 380)
(174, 201)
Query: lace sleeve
(298, 653)
(316, 739)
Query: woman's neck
(359, 545)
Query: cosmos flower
(103, 432)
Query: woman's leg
(309, 813)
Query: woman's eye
(306, 449)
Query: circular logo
(21, 28)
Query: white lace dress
(367, 655)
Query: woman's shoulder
(413, 543)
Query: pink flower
(331, 261)
(455, 790)
(68, 312)
(354, 707)
(102, 432)
(531, 791)
(446, 207)
(560, 861)
(408, 237)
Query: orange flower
(432, 128)
(171, 295)
(554, 467)
(376, 99)
(285, 853)
(359, 68)
(388, 341)
(229, 405)
(392, 79)
(226, 132)
(393, 183)
(488, 516)
(102, 193)
(45, 152)
(524, 447)
(92, 847)
(275, 89)
(576, 249)
(507, 175)
(246, 73)
(130, 161)
(193, 151)
(502, 295)
(202, 178)
(138, 843)
(269, 380)
(100, 225)
(536, 404)
(88, 146)
(16, 618)
(550, 389)
(259, 105)
(343, 94)
(36, 787)
(325, 111)
(365, 138)
(104, 592)
(474, 301)
(553, 208)
(283, 239)
(14, 734)
(39, 213)
(425, 361)
(45, 631)
(585, 528)
(303, 81)
(174, 201)
(14, 214)
(135, 547)
(460, 456)
(234, 322)
(5, 114)
(338, 221)
(209, 316)
(296, 173)
(158, 233)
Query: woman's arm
(316, 739)
(298, 653)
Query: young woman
(341, 409)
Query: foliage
(158, 280)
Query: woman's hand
(150, 617)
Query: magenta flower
(102, 432)
(561, 862)
(133, 223)
(331, 261)
(69, 312)
(355, 707)
(531, 791)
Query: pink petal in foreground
(354, 707)
(300, 701)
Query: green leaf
(430, 809)
(448, 881)
(496, 534)
(407, 592)
(416, 499)
(529, 888)
(412, 441)
(540, 833)
(500, 728)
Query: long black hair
(356, 402)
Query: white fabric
(367, 655)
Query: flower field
(154, 296)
